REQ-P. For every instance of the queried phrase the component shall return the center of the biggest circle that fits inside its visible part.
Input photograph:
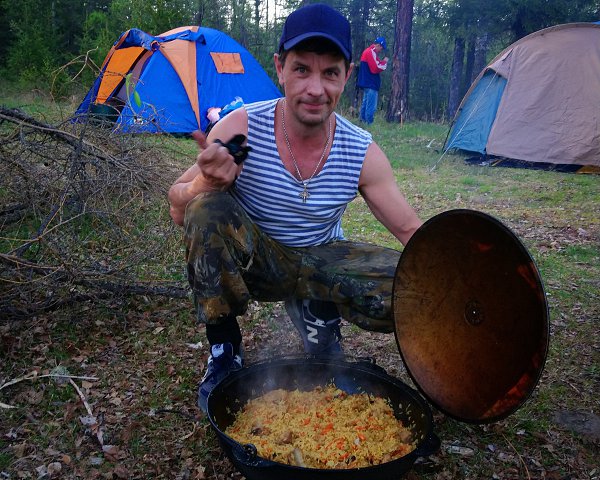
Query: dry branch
(83, 217)
(35, 376)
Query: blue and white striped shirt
(271, 195)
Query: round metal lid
(471, 317)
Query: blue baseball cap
(317, 20)
(381, 41)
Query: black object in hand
(234, 145)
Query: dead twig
(518, 456)
(35, 376)
(87, 219)
(23, 120)
(98, 431)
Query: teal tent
(538, 101)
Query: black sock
(227, 330)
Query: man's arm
(214, 169)
(378, 187)
(376, 65)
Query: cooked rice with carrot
(322, 428)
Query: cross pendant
(304, 194)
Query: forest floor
(129, 409)
(110, 393)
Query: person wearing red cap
(262, 206)
(369, 79)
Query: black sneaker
(221, 363)
(318, 323)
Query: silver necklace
(304, 193)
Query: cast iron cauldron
(305, 373)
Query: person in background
(268, 227)
(369, 79)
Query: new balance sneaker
(318, 323)
(221, 363)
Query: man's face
(378, 47)
(313, 84)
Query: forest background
(437, 47)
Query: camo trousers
(230, 261)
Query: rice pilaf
(323, 428)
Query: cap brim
(296, 40)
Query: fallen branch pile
(83, 217)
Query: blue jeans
(369, 103)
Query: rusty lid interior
(471, 317)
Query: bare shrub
(83, 216)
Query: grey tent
(537, 101)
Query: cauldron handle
(247, 455)
(367, 362)
(428, 446)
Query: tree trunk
(481, 48)
(455, 76)
(517, 26)
(398, 107)
(257, 14)
(469, 66)
(359, 17)
(200, 13)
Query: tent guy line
(445, 150)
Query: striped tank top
(271, 195)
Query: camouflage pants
(230, 261)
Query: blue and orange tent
(167, 83)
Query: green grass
(5, 458)
(39, 104)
